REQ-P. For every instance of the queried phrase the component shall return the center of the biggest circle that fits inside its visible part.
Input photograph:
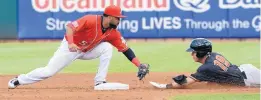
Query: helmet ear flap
(201, 54)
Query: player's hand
(73, 47)
(143, 71)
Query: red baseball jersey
(88, 34)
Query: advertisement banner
(46, 19)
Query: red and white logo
(98, 5)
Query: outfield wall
(46, 19)
(8, 19)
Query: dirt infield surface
(80, 87)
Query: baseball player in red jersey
(89, 37)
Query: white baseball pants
(252, 74)
(63, 57)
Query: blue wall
(178, 19)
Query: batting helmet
(201, 46)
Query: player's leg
(255, 73)
(61, 58)
(104, 52)
(252, 73)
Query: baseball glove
(143, 71)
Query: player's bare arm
(143, 68)
(121, 45)
(178, 82)
(69, 32)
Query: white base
(112, 86)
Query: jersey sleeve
(119, 42)
(79, 24)
(201, 74)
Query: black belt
(244, 75)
